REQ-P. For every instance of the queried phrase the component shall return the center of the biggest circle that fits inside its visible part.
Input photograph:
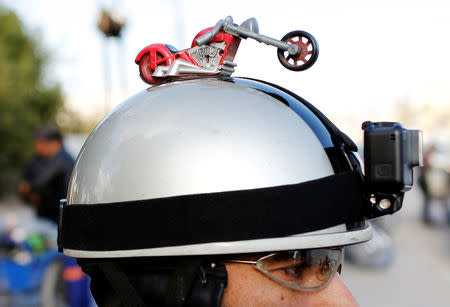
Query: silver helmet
(213, 166)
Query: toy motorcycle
(213, 50)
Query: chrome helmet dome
(213, 166)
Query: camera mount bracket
(383, 204)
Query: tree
(27, 102)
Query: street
(420, 273)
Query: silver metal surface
(180, 67)
(191, 137)
(228, 63)
(294, 49)
(385, 204)
(207, 57)
(250, 25)
(226, 69)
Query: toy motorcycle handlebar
(228, 26)
(234, 28)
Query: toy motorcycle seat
(172, 49)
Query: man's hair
(49, 134)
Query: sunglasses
(308, 269)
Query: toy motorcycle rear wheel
(309, 51)
(146, 71)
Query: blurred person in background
(47, 174)
(434, 182)
(45, 182)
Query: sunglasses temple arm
(241, 261)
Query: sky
(373, 54)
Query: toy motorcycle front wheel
(309, 51)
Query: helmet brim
(334, 236)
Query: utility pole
(110, 23)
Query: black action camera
(390, 153)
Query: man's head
(47, 143)
(209, 192)
(222, 280)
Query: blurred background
(379, 61)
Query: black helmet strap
(122, 287)
(180, 282)
(214, 217)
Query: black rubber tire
(309, 62)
